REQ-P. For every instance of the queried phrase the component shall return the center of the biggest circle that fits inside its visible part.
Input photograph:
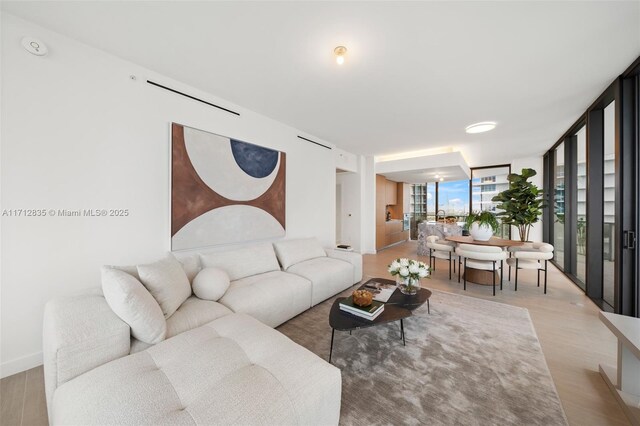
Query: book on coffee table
(368, 312)
(381, 291)
(361, 315)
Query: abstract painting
(223, 190)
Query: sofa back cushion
(132, 302)
(290, 252)
(244, 262)
(167, 282)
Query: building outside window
(486, 183)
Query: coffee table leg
(428, 307)
(402, 332)
(333, 330)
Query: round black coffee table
(397, 308)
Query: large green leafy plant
(521, 203)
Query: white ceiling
(450, 173)
(416, 73)
(448, 166)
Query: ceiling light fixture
(485, 126)
(340, 53)
(437, 176)
(441, 179)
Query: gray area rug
(469, 362)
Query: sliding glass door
(592, 184)
(609, 205)
(558, 205)
(580, 189)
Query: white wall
(78, 133)
(369, 205)
(535, 163)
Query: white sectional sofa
(220, 362)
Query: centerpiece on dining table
(408, 273)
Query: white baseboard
(18, 365)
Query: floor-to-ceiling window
(453, 199)
(580, 187)
(558, 205)
(486, 183)
(608, 205)
(592, 189)
(422, 205)
(431, 200)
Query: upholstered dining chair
(441, 249)
(481, 257)
(530, 257)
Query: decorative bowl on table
(362, 297)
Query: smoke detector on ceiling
(34, 46)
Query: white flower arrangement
(408, 268)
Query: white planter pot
(480, 232)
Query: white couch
(329, 271)
(217, 364)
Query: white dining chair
(481, 257)
(441, 249)
(530, 257)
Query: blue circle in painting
(254, 160)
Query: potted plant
(521, 203)
(482, 225)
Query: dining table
(481, 276)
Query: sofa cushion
(328, 276)
(210, 284)
(130, 300)
(273, 297)
(290, 252)
(193, 313)
(190, 264)
(244, 262)
(354, 258)
(233, 370)
(167, 282)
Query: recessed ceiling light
(340, 52)
(441, 179)
(485, 126)
(436, 176)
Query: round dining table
(481, 276)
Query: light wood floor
(573, 340)
(22, 400)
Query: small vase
(408, 286)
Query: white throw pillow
(211, 284)
(290, 252)
(130, 301)
(167, 282)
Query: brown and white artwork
(224, 191)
